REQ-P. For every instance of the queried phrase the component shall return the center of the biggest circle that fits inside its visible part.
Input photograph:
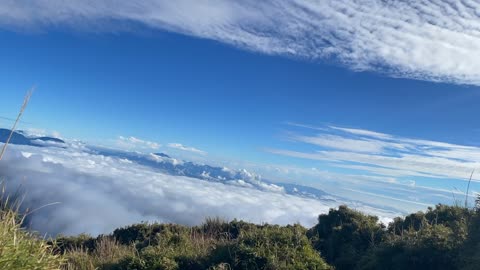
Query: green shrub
(431, 247)
(270, 247)
(343, 236)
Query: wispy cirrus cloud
(385, 154)
(182, 147)
(436, 40)
(383, 168)
(342, 143)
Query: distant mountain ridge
(166, 164)
(162, 155)
(19, 137)
(172, 166)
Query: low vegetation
(20, 249)
(213, 245)
(444, 237)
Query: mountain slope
(19, 137)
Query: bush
(431, 247)
(270, 247)
(343, 236)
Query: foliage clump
(349, 239)
(344, 235)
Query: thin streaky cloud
(182, 147)
(363, 132)
(385, 154)
(387, 197)
(134, 143)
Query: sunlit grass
(20, 249)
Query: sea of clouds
(78, 191)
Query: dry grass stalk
(22, 109)
(468, 189)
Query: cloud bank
(98, 193)
(436, 40)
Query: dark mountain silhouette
(19, 137)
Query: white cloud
(98, 193)
(363, 132)
(38, 132)
(180, 146)
(337, 142)
(434, 40)
(133, 143)
(389, 197)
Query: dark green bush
(343, 236)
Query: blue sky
(241, 92)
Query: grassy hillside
(444, 237)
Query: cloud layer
(435, 40)
(98, 193)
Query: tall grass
(20, 249)
(20, 113)
(107, 252)
(468, 189)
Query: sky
(368, 99)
